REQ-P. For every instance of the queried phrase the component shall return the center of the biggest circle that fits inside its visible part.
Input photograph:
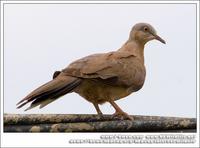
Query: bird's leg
(97, 109)
(119, 111)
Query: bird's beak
(159, 39)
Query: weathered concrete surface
(95, 123)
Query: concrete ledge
(95, 123)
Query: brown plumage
(100, 78)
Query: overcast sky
(42, 38)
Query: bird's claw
(100, 115)
(122, 116)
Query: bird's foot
(100, 114)
(122, 116)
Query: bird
(102, 77)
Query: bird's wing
(107, 66)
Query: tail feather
(54, 95)
(46, 88)
(50, 91)
(61, 93)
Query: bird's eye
(145, 29)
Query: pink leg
(97, 109)
(119, 111)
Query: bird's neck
(135, 48)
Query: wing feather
(103, 66)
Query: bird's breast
(132, 75)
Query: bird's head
(143, 32)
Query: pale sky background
(42, 38)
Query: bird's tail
(50, 91)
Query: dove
(100, 78)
